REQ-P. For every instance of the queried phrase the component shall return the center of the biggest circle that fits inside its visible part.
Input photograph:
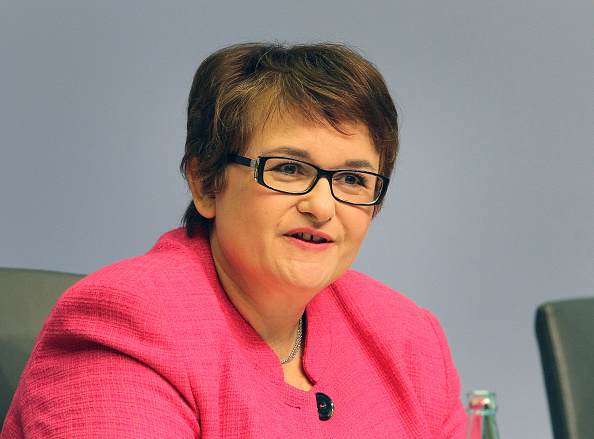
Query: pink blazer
(151, 347)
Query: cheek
(357, 221)
(247, 218)
(356, 227)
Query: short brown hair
(326, 83)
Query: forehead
(292, 134)
(271, 109)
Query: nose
(319, 203)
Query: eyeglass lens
(297, 177)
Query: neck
(275, 317)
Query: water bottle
(481, 407)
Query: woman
(247, 323)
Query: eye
(287, 168)
(351, 179)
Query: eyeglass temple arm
(250, 163)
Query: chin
(312, 280)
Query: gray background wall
(490, 212)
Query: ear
(205, 203)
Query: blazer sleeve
(454, 419)
(105, 365)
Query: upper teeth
(308, 237)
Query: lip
(309, 231)
(309, 244)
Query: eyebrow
(289, 150)
(305, 155)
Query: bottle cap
(481, 400)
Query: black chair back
(565, 333)
(26, 299)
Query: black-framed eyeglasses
(294, 176)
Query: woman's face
(257, 240)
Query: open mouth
(309, 238)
